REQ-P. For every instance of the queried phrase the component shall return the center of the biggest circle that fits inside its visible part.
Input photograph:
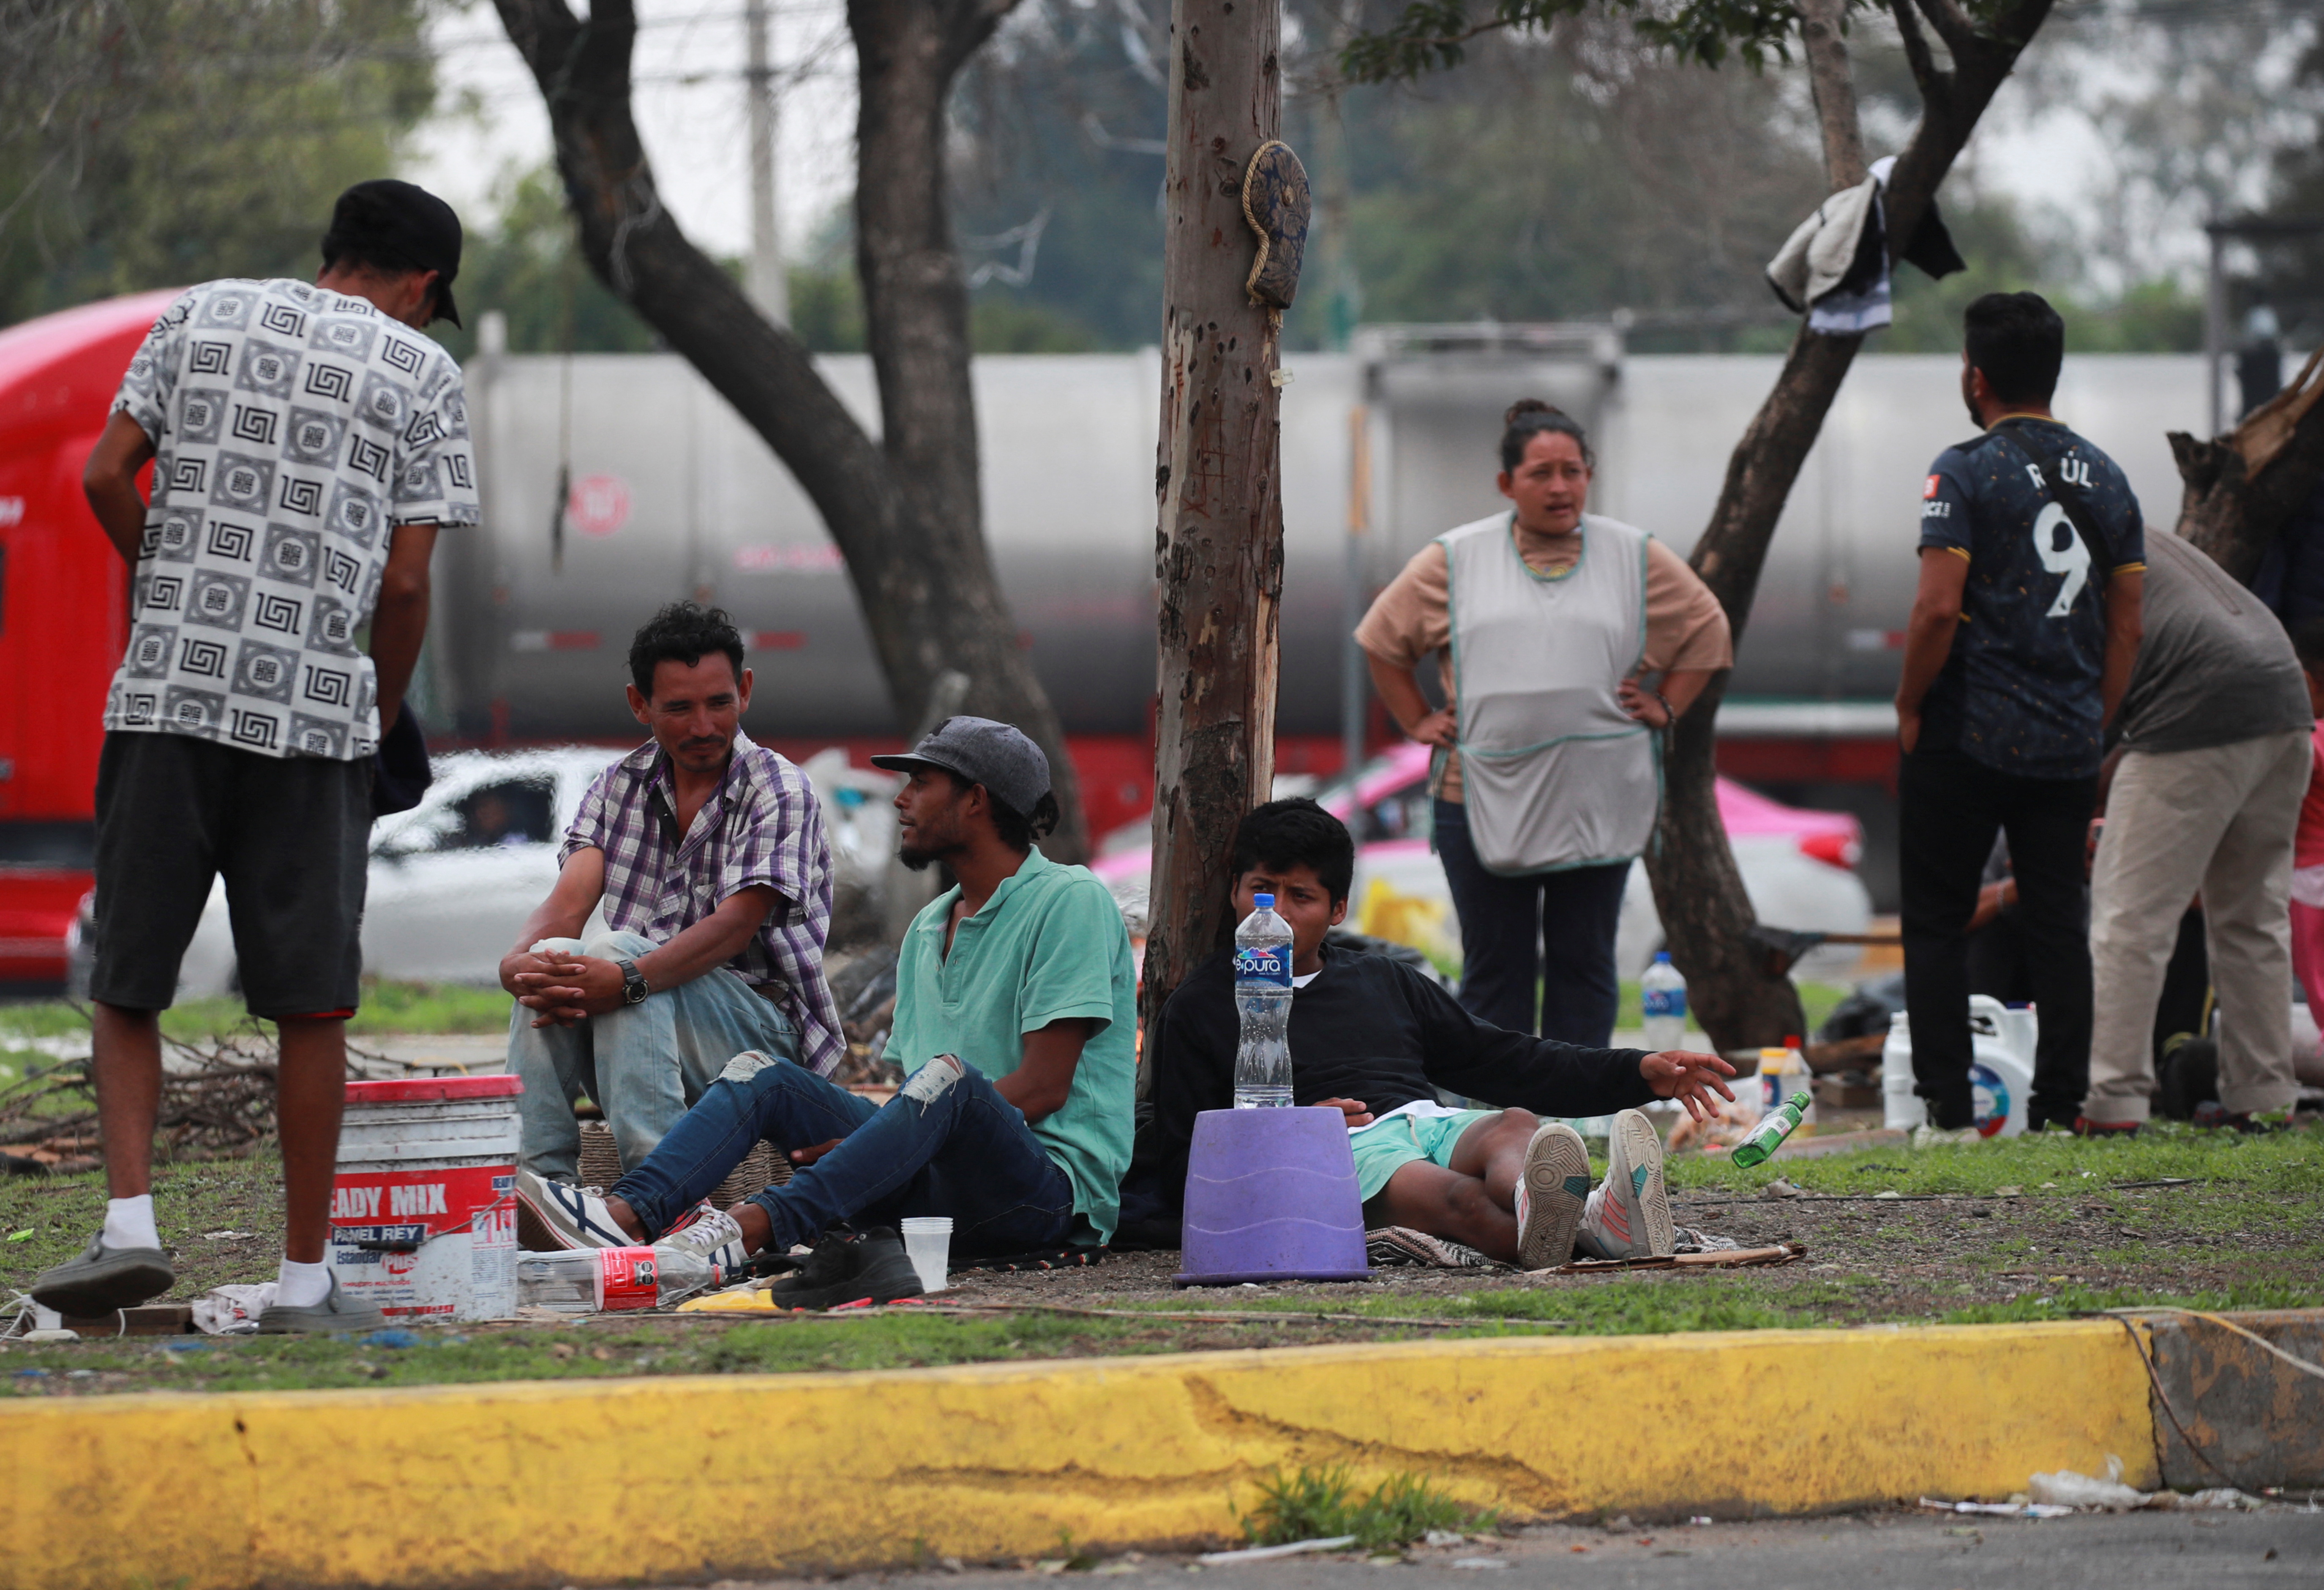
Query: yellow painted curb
(547, 1484)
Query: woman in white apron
(1567, 644)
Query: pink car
(1798, 865)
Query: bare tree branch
(1934, 83)
(1953, 27)
(1823, 31)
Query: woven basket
(763, 1166)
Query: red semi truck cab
(64, 620)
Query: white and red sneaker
(1629, 1217)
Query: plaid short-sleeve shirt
(763, 825)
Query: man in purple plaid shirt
(709, 856)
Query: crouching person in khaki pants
(2214, 761)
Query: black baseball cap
(994, 754)
(391, 224)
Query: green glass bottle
(1769, 1134)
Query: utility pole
(770, 286)
(1219, 552)
(1332, 208)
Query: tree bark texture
(1219, 544)
(1823, 34)
(1707, 917)
(905, 511)
(2243, 488)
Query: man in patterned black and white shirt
(307, 442)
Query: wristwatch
(633, 981)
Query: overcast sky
(690, 106)
(689, 101)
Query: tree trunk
(1707, 917)
(2243, 488)
(905, 512)
(916, 319)
(1219, 546)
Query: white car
(1798, 867)
(452, 880)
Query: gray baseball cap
(993, 754)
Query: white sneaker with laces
(1629, 1217)
(1926, 1136)
(711, 1232)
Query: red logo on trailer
(599, 504)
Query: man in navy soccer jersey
(2019, 645)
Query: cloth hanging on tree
(1834, 266)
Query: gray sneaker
(105, 1279)
(1550, 1192)
(335, 1313)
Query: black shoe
(867, 1269)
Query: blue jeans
(947, 1144)
(645, 1064)
(1505, 923)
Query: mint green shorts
(1393, 1141)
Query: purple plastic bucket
(1271, 1195)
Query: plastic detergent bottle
(1662, 997)
(1769, 1134)
(585, 1280)
(1263, 974)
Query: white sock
(129, 1222)
(302, 1286)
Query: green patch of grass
(2068, 1298)
(431, 1007)
(1643, 1303)
(1322, 1504)
(659, 1346)
(386, 1007)
(2056, 1164)
(1816, 1002)
(63, 1211)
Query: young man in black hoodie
(1374, 1039)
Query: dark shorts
(290, 834)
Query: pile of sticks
(218, 1103)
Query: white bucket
(423, 1212)
(2001, 1072)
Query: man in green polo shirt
(1016, 1023)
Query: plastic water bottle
(587, 1280)
(1262, 969)
(1661, 993)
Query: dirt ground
(1866, 1258)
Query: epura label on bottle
(1257, 963)
(626, 1278)
(1663, 1002)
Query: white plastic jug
(2001, 1072)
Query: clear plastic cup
(927, 1243)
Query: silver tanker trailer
(667, 494)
